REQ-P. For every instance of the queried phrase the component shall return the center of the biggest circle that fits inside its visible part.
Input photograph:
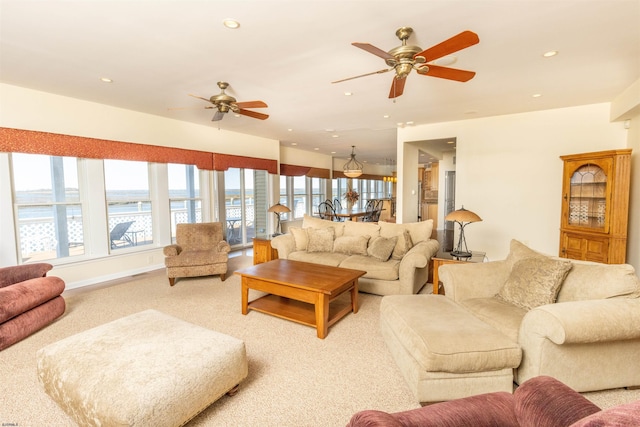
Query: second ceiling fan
(225, 103)
(405, 58)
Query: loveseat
(529, 314)
(29, 300)
(395, 256)
(539, 402)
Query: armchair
(29, 300)
(200, 250)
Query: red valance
(294, 170)
(53, 144)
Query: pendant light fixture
(353, 168)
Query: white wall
(508, 170)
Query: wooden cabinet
(262, 250)
(595, 206)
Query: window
(300, 197)
(284, 197)
(185, 200)
(128, 203)
(48, 207)
(317, 191)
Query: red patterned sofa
(539, 402)
(29, 300)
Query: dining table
(353, 214)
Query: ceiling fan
(225, 103)
(405, 58)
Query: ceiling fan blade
(253, 114)
(397, 87)
(454, 44)
(251, 104)
(364, 75)
(217, 116)
(447, 73)
(372, 49)
(199, 97)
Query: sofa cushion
(419, 231)
(621, 416)
(196, 258)
(403, 245)
(325, 258)
(591, 280)
(21, 297)
(355, 228)
(376, 269)
(444, 337)
(500, 314)
(534, 282)
(320, 239)
(381, 247)
(300, 237)
(518, 251)
(313, 222)
(351, 245)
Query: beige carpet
(295, 379)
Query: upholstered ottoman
(443, 351)
(147, 369)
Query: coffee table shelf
(297, 311)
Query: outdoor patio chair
(118, 235)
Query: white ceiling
(287, 53)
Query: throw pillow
(300, 237)
(382, 247)
(320, 239)
(351, 245)
(403, 244)
(534, 282)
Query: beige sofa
(395, 256)
(575, 321)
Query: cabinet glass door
(588, 197)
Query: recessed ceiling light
(106, 80)
(333, 152)
(550, 53)
(409, 123)
(537, 95)
(334, 136)
(294, 143)
(231, 23)
(348, 93)
(290, 130)
(316, 148)
(386, 116)
(446, 60)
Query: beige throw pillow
(382, 247)
(403, 245)
(351, 245)
(534, 282)
(320, 239)
(300, 237)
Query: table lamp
(462, 217)
(278, 209)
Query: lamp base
(460, 254)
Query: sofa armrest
(579, 322)
(223, 247)
(473, 280)
(489, 409)
(285, 244)
(544, 401)
(419, 255)
(172, 250)
(20, 273)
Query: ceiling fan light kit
(404, 58)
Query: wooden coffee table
(300, 291)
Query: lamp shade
(462, 215)
(279, 208)
(352, 168)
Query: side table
(262, 250)
(443, 258)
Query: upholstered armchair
(200, 250)
(29, 300)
